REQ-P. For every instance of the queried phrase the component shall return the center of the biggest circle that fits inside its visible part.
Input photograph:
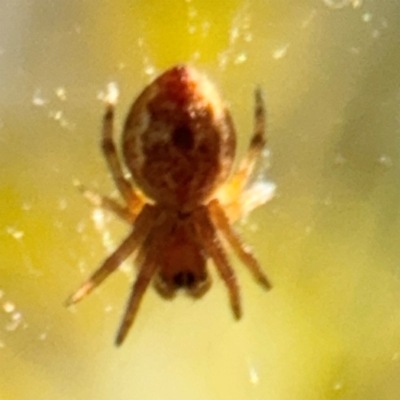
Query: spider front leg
(141, 229)
(209, 239)
(242, 251)
(149, 259)
(146, 272)
(132, 199)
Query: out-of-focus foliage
(329, 240)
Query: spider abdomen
(179, 141)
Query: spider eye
(184, 279)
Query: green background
(329, 240)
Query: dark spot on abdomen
(182, 137)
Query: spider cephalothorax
(179, 144)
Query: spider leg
(242, 251)
(208, 237)
(257, 143)
(110, 153)
(235, 195)
(142, 227)
(107, 203)
(148, 261)
(142, 282)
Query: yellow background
(329, 240)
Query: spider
(178, 144)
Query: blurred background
(329, 240)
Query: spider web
(48, 128)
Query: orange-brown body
(179, 141)
(179, 145)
